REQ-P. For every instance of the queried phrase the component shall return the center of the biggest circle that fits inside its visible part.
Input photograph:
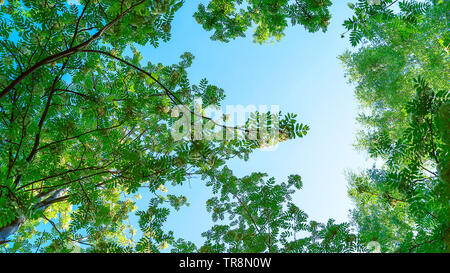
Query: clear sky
(302, 75)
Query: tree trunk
(43, 204)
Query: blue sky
(302, 75)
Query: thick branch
(66, 53)
(169, 93)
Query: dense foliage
(263, 218)
(231, 18)
(401, 76)
(85, 125)
(85, 128)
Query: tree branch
(66, 53)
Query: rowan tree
(85, 125)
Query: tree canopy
(231, 18)
(401, 77)
(86, 126)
